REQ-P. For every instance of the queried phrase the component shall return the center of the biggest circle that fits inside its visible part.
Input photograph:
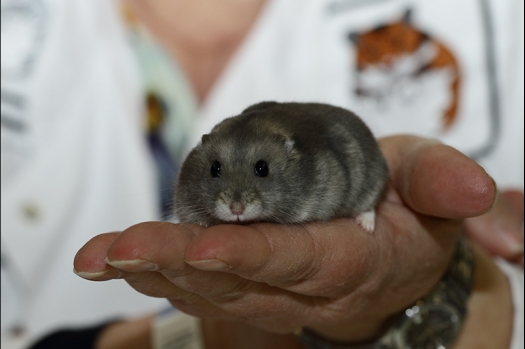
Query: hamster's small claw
(367, 220)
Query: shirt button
(31, 212)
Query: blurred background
(101, 100)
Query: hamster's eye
(261, 169)
(216, 169)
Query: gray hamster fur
(283, 163)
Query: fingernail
(511, 239)
(133, 265)
(99, 275)
(209, 265)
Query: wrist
(490, 307)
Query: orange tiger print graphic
(385, 46)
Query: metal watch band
(451, 293)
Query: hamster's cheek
(254, 211)
(268, 203)
(221, 210)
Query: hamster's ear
(260, 106)
(205, 138)
(288, 144)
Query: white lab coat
(74, 160)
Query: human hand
(500, 231)
(332, 277)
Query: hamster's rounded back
(281, 162)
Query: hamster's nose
(237, 208)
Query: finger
(150, 258)
(516, 201)
(152, 246)
(437, 180)
(161, 247)
(501, 230)
(147, 246)
(283, 256)
(255, 301)
(320, 259)
(90, 260)
(154, 284)
(90, 263)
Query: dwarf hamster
(283, 163)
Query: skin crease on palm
(336, 279)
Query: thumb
(437, 180)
